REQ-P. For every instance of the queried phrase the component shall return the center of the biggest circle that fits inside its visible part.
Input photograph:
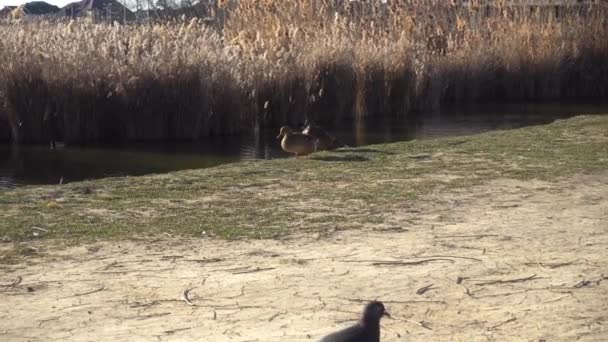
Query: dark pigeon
(367, 330)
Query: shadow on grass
(361, 150)
(346, 158)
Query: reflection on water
(40, 165)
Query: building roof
(83, 7)
(38, 8)
(6, 11)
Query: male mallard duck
(326, 141)
(298, 143)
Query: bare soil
(507, 260)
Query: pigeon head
(367, 330)
(373, 312)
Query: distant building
(6, 11)
(201, 9)
(99, 10)
(33, 9)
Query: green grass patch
(344, 189)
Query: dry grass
(267, 63)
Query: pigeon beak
(386, 314)
(278, 136)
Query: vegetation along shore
(269, 63)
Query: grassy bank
(345, 189)
(275, 62)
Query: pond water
(40, 165)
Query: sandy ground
(505, 261)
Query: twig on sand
(409, 263)
(171, 257)
(148, 316)
(112, 264)
(557, 264)
(89, 292)
(15, 282)
(449, 256)
(399, 263)
(421, 324)
(356, 300)
(154, 302)
(231, 269)
(47, 320)
(557, 299)
(323, 304)
(466, 290)
(508, 281)
(257, 269)
(330, 257)
(271, 318)
(582, 283)
(205, 261)
(512, 319)
(585, 283)
(422, 290)
(505, 294)
(478, 236)
(173, 331)
(388, 301)
(413, 301)
(41, 229)
(428, 258)
(185, 296)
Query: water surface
(40, 165)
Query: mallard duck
(326, 141)
(298, 143)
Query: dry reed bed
(266, 63)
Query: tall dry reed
(267, 63)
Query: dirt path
(505, 261)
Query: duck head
(284, 131)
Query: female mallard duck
(298, 143)
(326, 141)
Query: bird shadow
(344, 158)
